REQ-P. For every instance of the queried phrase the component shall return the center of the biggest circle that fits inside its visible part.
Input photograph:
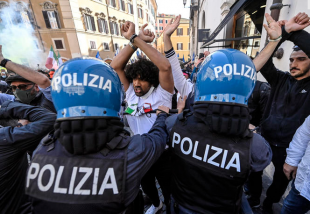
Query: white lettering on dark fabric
(78, 191)
(234, 162)
(50, 168)
(90, 175)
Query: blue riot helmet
(86, 87)
(225, 76)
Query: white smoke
(17, 38)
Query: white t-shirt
(142, 124)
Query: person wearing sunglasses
(28, 92)
(28, 86)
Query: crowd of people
(204, 130)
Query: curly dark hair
(144, 68)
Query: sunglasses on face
(20, 87)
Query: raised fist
(146, 35)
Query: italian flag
(51, 61)
(59, 59)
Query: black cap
(16, 78)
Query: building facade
(244, 29)
(180, 38)
(162, 21)
(77, 28)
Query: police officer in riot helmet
(213, 149)
(90, 164)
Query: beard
(302, 73)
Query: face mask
(25, 96)
(3, 76)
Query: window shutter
(131, 7)
(85, 22)
(106, 27)
(93, 23)
(31, 19)
(111, 28)
(117, 29)
(123, 5)
(47, 21)
(57, 19)
(181, 46)
(181, 31)
(114, 3)
(99, 21)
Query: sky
(174, 7)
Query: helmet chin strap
(145, 96)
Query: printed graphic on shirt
(75, 180)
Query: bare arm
(119, 63)
(298, 22)
(169, 29)
(274, 31)
(40, 79)
(165, 73)
(265, 55)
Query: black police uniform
(209, 169)
(104, 182)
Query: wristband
(132, 46)
(132, 38)
(3, 62)
(275, 40)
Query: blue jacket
(14, 144)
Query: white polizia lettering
(45, 179)
(90, 80)
(235, 69)
(211, 153)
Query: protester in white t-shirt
(147, 83)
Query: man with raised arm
(148, 84)
(29, 86)
(183, 86)
(288, 105)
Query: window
(147, 17)
(103, 26)
(59, 43)
(130, 8)
(256, 44)
(89, 22)
(160, 21)
(180, 32)
(140, 13)
(106, 46)
(179, 46)
(92, 45)
(156, 28)
(160, 28)
(187, 31)
(116, 46)
(112, 3)
(166, 21)
(114, 28)
(51, 19)
(121, 5)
